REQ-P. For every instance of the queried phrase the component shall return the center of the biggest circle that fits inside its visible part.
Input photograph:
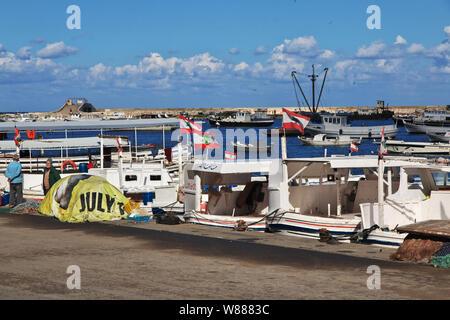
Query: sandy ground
(126, 260)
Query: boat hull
(254, 223)
(421, 148)
(414, 128)
(255, 123)
(354, 132)
(309, 226)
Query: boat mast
(323, 83)
(313, 77)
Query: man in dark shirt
(51, 176)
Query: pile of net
(442, 257)
(27, 207)
(427, 251)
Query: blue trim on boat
(227, 227)
(367, 241)
(279, 226)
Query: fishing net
(442, 257)
(27, 207)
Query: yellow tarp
(83, 197)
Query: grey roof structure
(87, 124)
(62, 143)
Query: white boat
(324, 140)
(241, 119)
(227, 194)
(135, 178)
(426, 199)
(424, 128)
(337, 125)
(248, 147)
(439, 137)
(417, 148)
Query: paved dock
(129, 260)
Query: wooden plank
(439, 228)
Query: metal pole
(323, 83)
(164, 138)
(180, 162)
(380, 193)
(101, 149)
(67, 143)
(198, 192)
(389, 173)
(135, 141)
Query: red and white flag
(17, 138)
(230, 155)
(354, 147)
(382, 151)
(205, 140)
(188, 126)
(294, 120)
(119, 146)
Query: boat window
(130, 178)
(440, 178)
(155, 178)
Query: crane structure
(314, 105)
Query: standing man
(51, 175)
(15, 179)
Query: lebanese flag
(31, 134)
(382, 151)
(230, 155)
(294, 120)
(119, 146)
(353, 147)
(187, 126)
(204, 140)
(17, 139)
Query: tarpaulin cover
(83, 197)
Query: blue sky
(215, 53)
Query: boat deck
(435, 228)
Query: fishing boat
(428, 122)
(426, 198)
(227, 194)
(439, 137)
(417, 148)
(337, 125)
(324, 140)
(248, 147)
(320, 194)
(240, 119)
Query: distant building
(76, 106)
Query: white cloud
(375, 50)
(327, 54)
(241, 67)
(24, 53)
(260, 50)
(416, 48)
(234, 51)
(305, 46)
(400, 40)
(447, 31)
(56, 50)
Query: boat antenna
(298, 84)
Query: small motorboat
(248, 147)
(439, 137)
(324, 140)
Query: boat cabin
(235, 189)
(334, 120)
